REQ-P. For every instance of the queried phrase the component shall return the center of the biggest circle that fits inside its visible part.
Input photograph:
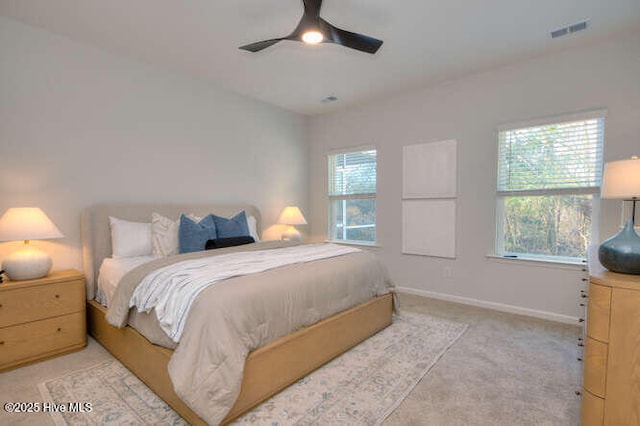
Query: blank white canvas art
(429, 227)
(429, 170)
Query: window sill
(535, 261)
(354, 243)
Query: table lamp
(291, 216)
(27, 223)
(621, 253)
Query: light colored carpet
(506, 370)
(361, 387)
(364, 385)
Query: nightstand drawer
(33, 303)
(21, 343)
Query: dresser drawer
(623, 374)
(595, 366)
(598, 312)
(46, 301)
(592, 412)
(21, 343)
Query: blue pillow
(235, 227)
(193, 236)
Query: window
(352, 196)
(548, 184)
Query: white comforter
(111, 272)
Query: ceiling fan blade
(312, 8)
(346, 38)
(259, 45)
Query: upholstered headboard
(96, 233)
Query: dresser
(611, 375)
(41, 318)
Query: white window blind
(555, 158)
(549, 176)
(352, 196)
(352, 173)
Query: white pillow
(164, 234)
(253, 228)
(129, 239)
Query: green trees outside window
(352, 196)
(548, 181)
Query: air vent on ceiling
(329, 99)
(570, 29)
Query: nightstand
(42, 318)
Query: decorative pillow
(228, 242)
(129, 239)
(193, 236)
(253, 228)
(235, 227)
(164, 234)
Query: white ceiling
(425, 41)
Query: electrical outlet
(447, 272)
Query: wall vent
(570, 29)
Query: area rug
(361, 387)
(117, 397)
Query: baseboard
(566, 319)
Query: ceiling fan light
(312, 37)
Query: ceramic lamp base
(291, 234)
(621, 253)
(27, 264)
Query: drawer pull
(579, 359)
(582, 304)
(57, 296)
(0, 305)
(59, 329)
(581, 320)
(578, 393)
(581, 345)
(1, 342)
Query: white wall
(469, 109)
(79, 126)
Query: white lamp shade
(291, 215)
(27, 223)
(621, 179)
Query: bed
(267, 369)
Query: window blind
(551, 158)
(352, 173)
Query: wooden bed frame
(267, 370)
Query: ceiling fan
(312, 29)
